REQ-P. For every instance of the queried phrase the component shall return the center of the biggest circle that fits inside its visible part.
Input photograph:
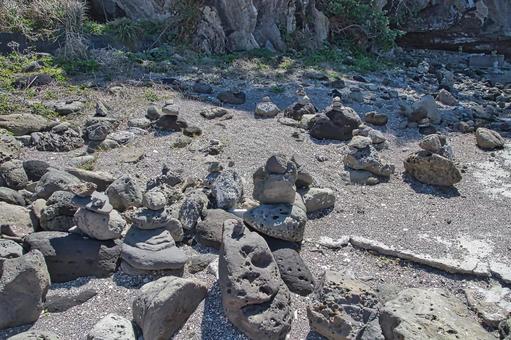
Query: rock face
(429, 314)
(112, 327)
(338, 122)
(69, 256)
(488, 139)
(23, 286)
(162, 307)
(253, 296)
(344, 308)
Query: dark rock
(232, 97)
(294, 271)
(57, 303)
(209, 230)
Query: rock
(61, 138)
(426, 108)
(112, 327)
(282, 221)
(488, 139)
(83, 190)
(35, 335)
(124, 137)
(209, 230)
(232, 97)
(153, 219)
(294, 271)
(99, 226)
(316, 199)
(227, 189)
(337, 123)
(162, 307)
(367, 158)
(297, 111)
(428, 314)
(192, 131)
(253, 296)
(266, 109)
(23, 287)
(154, 200)
(505, 329)
(167, 177)
(192, 209)
(376, 118)
(58, 212)
(215, 112)
(54, 180)
(275, 183)
(99, 130)
(433, 169)
(124, 193)
(9, 249)
(101, 109)
(171, 123)
(101, 179)
(24, 123)
(69, 107)
(141, 123)
(16, 215)
(201, 87)
(69, 256)
(445, 97)
(35, 169)
(14, 175)
(492, 305)
(57, 303)
(200, 262)
(344, 308)
(153, 113)
(11, 196)
(152, 250)
(9, 148)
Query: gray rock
(99, 226)
(167, 177)
(54, 180)
(200, 262)
(153, 113)
(192, 209)
(433, 169)
(154, 200)
(505, 329)
(112, 327)
(100, 178)
(492, 305)
(9, 249)
(209, 230)
(122, 137)
(227, 189)
(376, 118)
(343, 308)
(24, 123)
(488, 139)
(14, 175)
(282, 221)
(60, 302)
(253, 296)
(266, 109)
(61, 138)
(58, 212)
(35, 169)
(35, 335)
(297, 111)
(274, 188)
(101, 109)
(69, 107)
(316, 199)
(429, 314)
(152, 250)
(15, 215)
(367, 158)
(124, 193)
(141, 123)
(426, 108)
(445, 97)
(155, 219)
(162, 307)
(11, 196)
(232, 97)
(70, 256)
(23, 287)
(294, 272)
(9, 147)
(338, 122)
(201, 87)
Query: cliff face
(232, 25)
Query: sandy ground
(469, 221)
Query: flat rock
(57, 303)
(100, 178)
(24, 123)
(209, 230)
(294, 272)
(283, 221)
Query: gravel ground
(471, 220)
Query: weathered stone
(16, 215)
(24, 123)
(227, 189)
(492, 305)
(426, 107)
(154, 200)
(274, 188)
(162, 307)
(433, 169)
(98, 225)
(367, 158)
(266, 109)
(429, 314)
(112, 327)
(294, 271)
(58, 212)
(11, 196)
(124, 193)
(23, 287)
(253, 296)
(316, 199)
(209, 230)
(9, 249)
(13, 174)
(344, 308)
(35, 335)
(488, 139)
(232, 97)
(100, 178)
(445, 97)
(192, 209)
(57, 303)
(54, 180)
(337, 123)
(376, 118)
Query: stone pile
(302, 107)
(434, 163)
(338, 122)
(97, 131)
(61, 138)
(150, 244)
(266, 109)
(363, 156)
(168, 119)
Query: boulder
(162, 307)
(15, 215)
(316, 199)
(294, 272)
(344, 308)
(488, 139)
(338, 122)
(112, 327)
(99, 226)
(365, 157)
(209, 230)
(60, 302)
(13, 174)
(154, 200)
(275, 183)
(124, 193)
(253, 296)
(23, 287)
(429, 314)
(192, 209)
(70, 256)
(11, 196)
(266, 109)
(227, 189)
(54, 180)
(25, 123)
(505, 329)
(282, 221)
(431, 168)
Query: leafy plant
(42, 110)
(151, 96)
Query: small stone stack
(149, 245)
(338, 122)
(97, 218)
(301, 107)
(433, 164)
(96, 133)
(282, 213)
(266, 109)
(362, 156)
(169, 119)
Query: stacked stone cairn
(338, 122)
(150, 243)
(302, 107)
(168, 118)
